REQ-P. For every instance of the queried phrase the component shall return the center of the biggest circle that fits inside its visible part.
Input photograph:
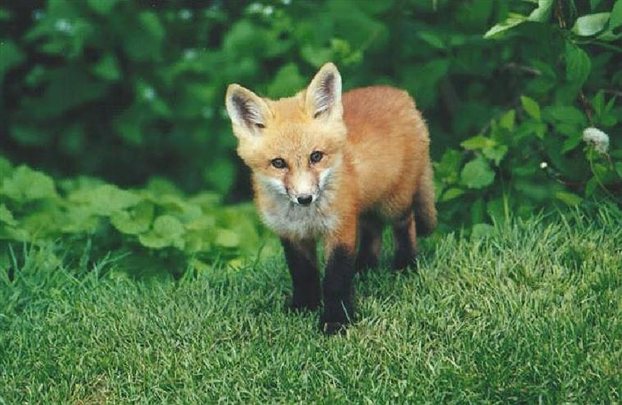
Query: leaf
(618, 167)
(591, 24)
(26, 184)
(102, 6)
(478, 142)
(578, 65)
(477, 174)
(107, 68)
(227, 238)
(6, 216)
(542, 12)
(568, 198)
(143, 41)
(135, 220)
(451, 194)
(512, 21)
(531, 107)
(105, 199)
(167, 231)
(507, 120)
(287, 81)
(616, 15)
(496, 154)
(10, 56)
(564, 113)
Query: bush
(126, 90)
(157, 229)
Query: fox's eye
(316, 156)
(279, 163)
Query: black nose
(304, 199)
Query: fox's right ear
(246, 109)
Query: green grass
(531, 312)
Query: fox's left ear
(323, 96)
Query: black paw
(364, 263)
(336, 317)
(404, 260)
(302, 304)
(333, 328)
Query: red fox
(336, 168)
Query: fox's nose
(304, 199)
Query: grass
(531, 312)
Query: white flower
(597, 138)
(185, 14)
(63, 25)
(190, 54)
(544, 165)
(255, 8)
(268, 10)
(149, 93)
(38, 15)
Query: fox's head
(293, 145)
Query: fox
(334, 169)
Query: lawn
(527, 312)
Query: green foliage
(128, 90)
(535, 155)
(162, 229)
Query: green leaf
(512, 21)
(477, 174)
(227, 238)
(167, 231)
(507, 120)
(287, 81)
(6, 216)
(496, 154)
(578, 65)
(105, 199)
(107, 68)
(531, 107)
(10, 56)
(135, 220)
(591, 24)
(26, 184)
(451, 194)
(478, 142)
(618, 167)
(143, 41)
(568, 198)
(616, 15)
(102, 6)
(542, 12)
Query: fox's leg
(405, 237)
(301, 259)
(370, 243)
(338, 280)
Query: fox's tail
(425, 211)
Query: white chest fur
(295, 221)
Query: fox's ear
(323, 96)
(246, 109)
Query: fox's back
(387, 143)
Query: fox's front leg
(301, 259)
(338, 280)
